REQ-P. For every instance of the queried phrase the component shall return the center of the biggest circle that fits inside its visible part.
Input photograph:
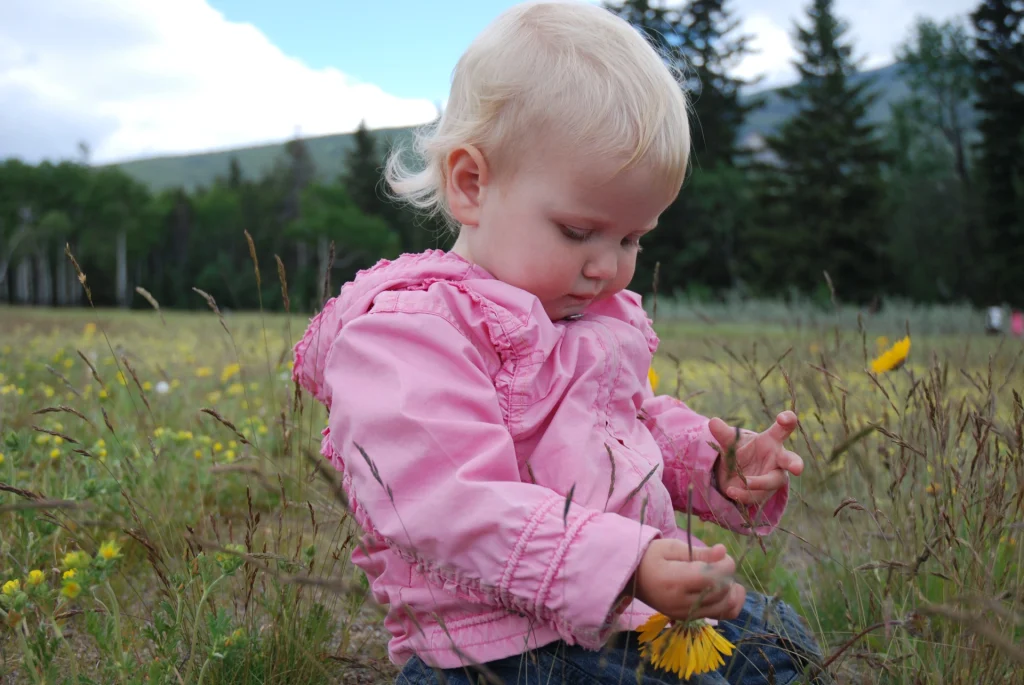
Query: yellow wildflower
(653, 377)
(68, 363)
(236, 389)
(1, 458)
(229, 372)
(104, 394)
(892, 358)
(198, 454)
(204, 372)
(11, 586)
(89, 330)
(76, 559)
(71, 589)
(54, 453)
(35, 577)
(69, 574)
(147, 386)
(230, 455)
(683, 647)
(110, 550)
(57, 440)
(217, 447)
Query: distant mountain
(329, 152)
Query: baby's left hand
(762, 463)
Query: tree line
(929, 206)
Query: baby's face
(565, 227)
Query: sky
(141, 78)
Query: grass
(173, 450)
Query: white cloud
(142, 77)
(876, 27)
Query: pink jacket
(508, 471)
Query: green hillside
(329, 152)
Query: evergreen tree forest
(928, 206)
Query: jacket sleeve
(684, 438)
(310, 353)
(440, 483)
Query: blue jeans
(772, 646)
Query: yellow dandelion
(42, 439)
(68, 363)
(147, 386)
(57, 440)
(213, 397)
(69, 574)
(104, 394)
(654, 379)
(54, 453)
(230, 455)
(110, 550)
(229, 372)
(48, 391)
(11, 587)
(892, 358)
(217, 447)
(89, 330)
(35, 577)
(1, 458)
(683, 647)
(198, 454)
(204, 372)
(262, 430)
(71, 589)
(236, 389)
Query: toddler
(516, 477)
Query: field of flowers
(164, 516)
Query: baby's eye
(633, 242)
(575, 233)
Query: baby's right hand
(667, 581)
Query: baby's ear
(467, 177)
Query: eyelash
(582, 237)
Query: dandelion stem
(689, 519)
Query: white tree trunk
(323, 248)
(62, 279)
(23, 281)
(122, 270)
(44, 280)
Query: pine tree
(822, 195)
(999, 69)
(698, 39)
(363, 171)
(713, 51)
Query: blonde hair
(546, 67)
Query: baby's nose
(601, 267)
